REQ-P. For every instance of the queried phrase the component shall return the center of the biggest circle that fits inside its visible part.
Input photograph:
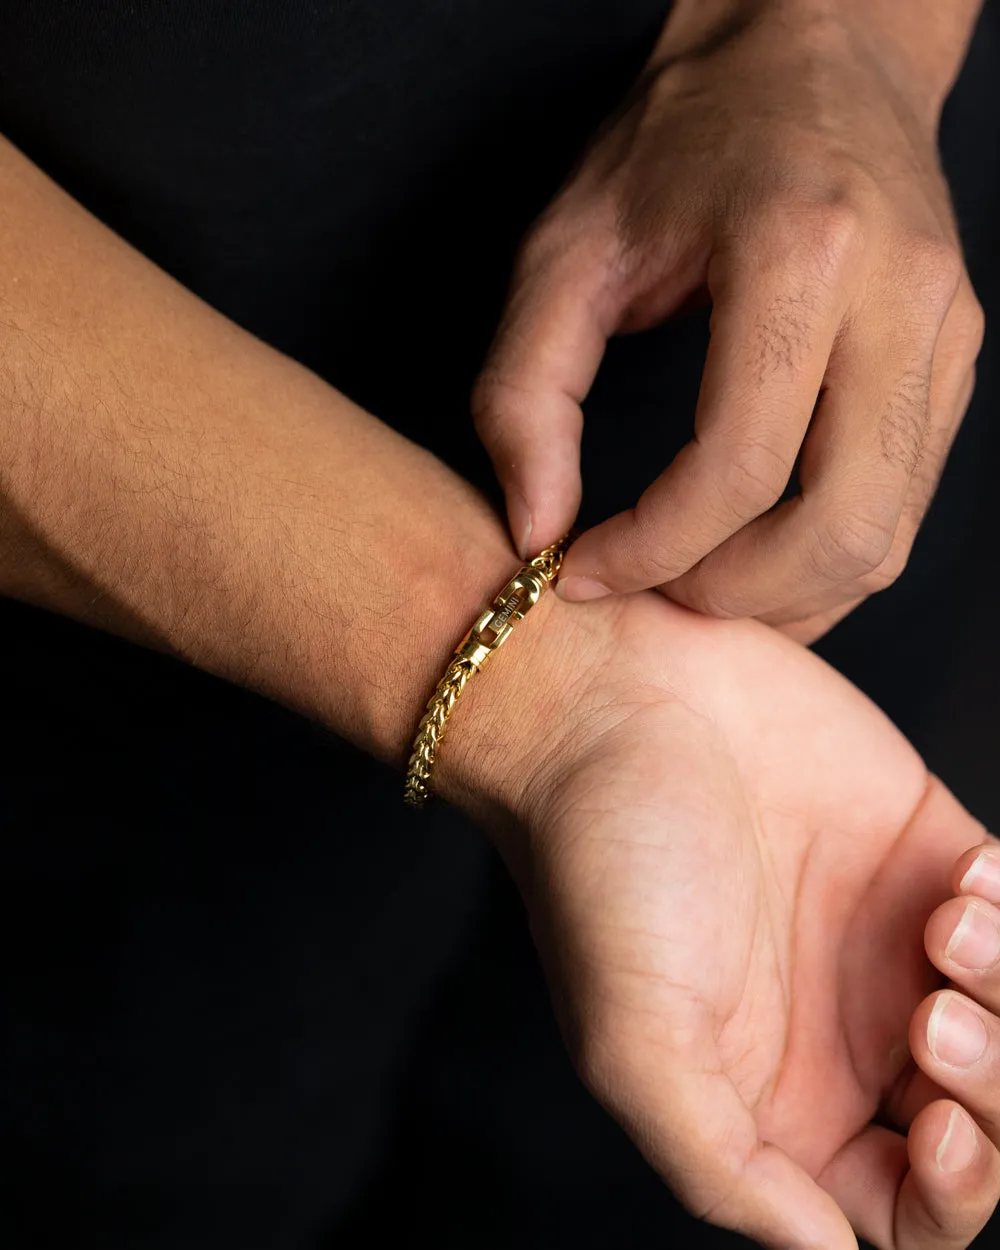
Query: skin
(679, 782)
(779, 158)
(728, 793)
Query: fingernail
(579, 589)
(975, 942)
(959, 1144)
(519, 519)
(955, 1034)
(983, 876)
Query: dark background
(248, 1002)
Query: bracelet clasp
(494, 627)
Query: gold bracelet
(487, 636)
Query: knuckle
(753, 477)
(818, 234)
(500, 408)
(703, 595)
(568, 235)
(935, 265)
(655, 557)
(853, 543)
(970, 324)
(976, 327)
(835, 230)
(545, 239)
(889, 571)
(484, 400)
(655, 564)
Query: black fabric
(245, 1002)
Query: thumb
(526, 402)
(724, 1173)
(690, 1122)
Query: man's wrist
(435, 555)
(538, 707)
(921, 44)
(506, 721)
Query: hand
(729, 858)
(789, 166)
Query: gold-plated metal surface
(490, 631)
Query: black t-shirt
(246, 1001)
(345, 178)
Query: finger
(526, 402)
(934, 1190)
(953, 1183)
(810, 619)
(953, 383)
(689, 1121)
(865, 443)
(951, 393)
(815, 623)
(977, 872)
(775, 317)
(957, 1044)
(952, 386)
(975, 878)
(908, 1098)
(962, 939)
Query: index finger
(777, 312)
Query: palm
(745, 865)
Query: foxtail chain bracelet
(483, 640)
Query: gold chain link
(483, 640)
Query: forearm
(921, 41)
(166, 476)
(932, 35)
